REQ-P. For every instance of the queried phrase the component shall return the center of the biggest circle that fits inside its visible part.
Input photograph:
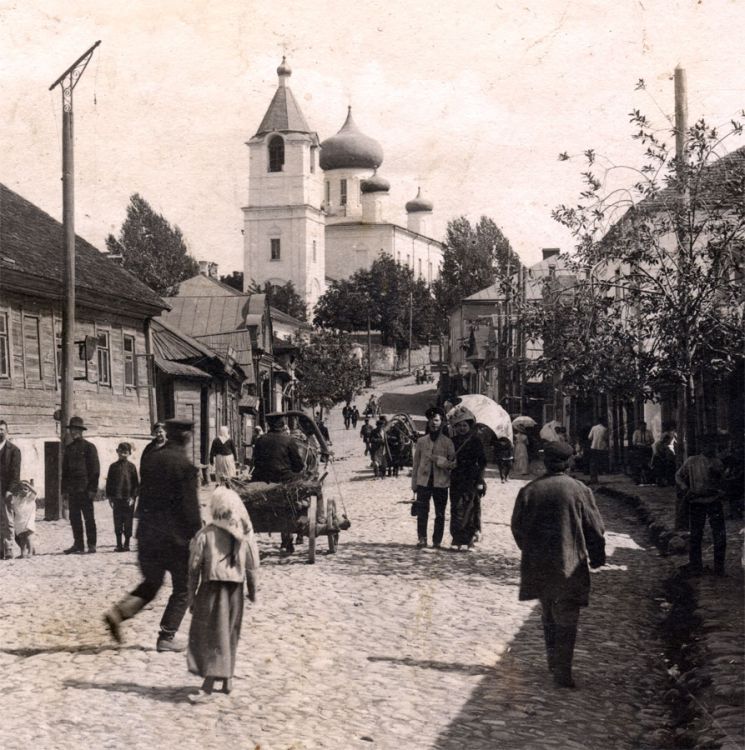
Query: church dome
(418, 204)
(350, 149)
(375, 184)
(284, 69)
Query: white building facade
(319, 211)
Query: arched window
(276, 154)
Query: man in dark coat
(276, 455)
(169, 518)
(80, 472)
(10, 473)
(558, 529)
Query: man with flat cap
(80, 472)
(277, 459)
(559, 531)
(169, 518)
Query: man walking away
(80, 472)
(700, 478)
(10, 473)
(559, 531)
(598, 438)
(169, 518)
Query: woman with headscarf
(466, 479)
(221, 556)
(223, 455)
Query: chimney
(213, 270)
(204, 267)
(550, 252)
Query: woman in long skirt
(223, 455)
(222, 555)
(466, 480)
(521, 464)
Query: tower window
(275, 248)
(328, 192)
(276, 154)
(312, 160)
(314, 251)
(343, 193)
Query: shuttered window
(104, 359)
(31, 347)
(129, 362)
(4, 346)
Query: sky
(471, 100)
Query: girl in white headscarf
(223, 455)
(222, 555)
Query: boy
(122, 487)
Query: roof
(206, 286)
(350, 148)
(282, 317)
(32, 259)
(179, 369)
(237, 341)
(200, 316)
(283, 114)
(172, 344)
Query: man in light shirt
(598, 438)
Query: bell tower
(284, 238)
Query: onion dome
(418, 204)
(375, 184)
(350, 149)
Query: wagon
(299, 506)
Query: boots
(123, 610)
(564, 651)
(549, 637)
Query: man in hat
(10, 473)
(169, 518)
(365, 432)
(80, 472)
(560, 533)
(434, 458)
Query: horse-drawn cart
(298, 506)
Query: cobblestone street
(381, 645)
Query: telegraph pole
(411, 314)
(67, 82)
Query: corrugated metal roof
(200, 316)
(283, 114)
(240, 343)
(173, 344)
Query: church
(319, 210)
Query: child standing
(122, 488)
(222, 555)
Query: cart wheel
(312, 522)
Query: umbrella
(523, 423)
(548, 431)
(488, 413)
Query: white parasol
(488, 413)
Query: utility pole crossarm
(82, 61)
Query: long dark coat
(559, 531)
(10, 467)
(276, 458)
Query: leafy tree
(283, 297)
(330, 371)
(234, 279)
(668, 251)
(390, 294)
(474, 257)
(152, 249)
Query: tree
(152, 249)
(669, 253)
(474, 257)
(331, 372)
(390, 294)
(234, 279)
(283, 297)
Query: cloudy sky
(472, 100)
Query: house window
(129, 361)
(274, 248)
(104, 359)
(276, 154)
(314, 251)
(328, 192)
(31, 347)
(343, 193)
(4, 347)
(58, 350)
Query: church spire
(284, 112)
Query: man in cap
(10, 473)
(169, 518)
(277, 459)
(559, 531)
(80, 472)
